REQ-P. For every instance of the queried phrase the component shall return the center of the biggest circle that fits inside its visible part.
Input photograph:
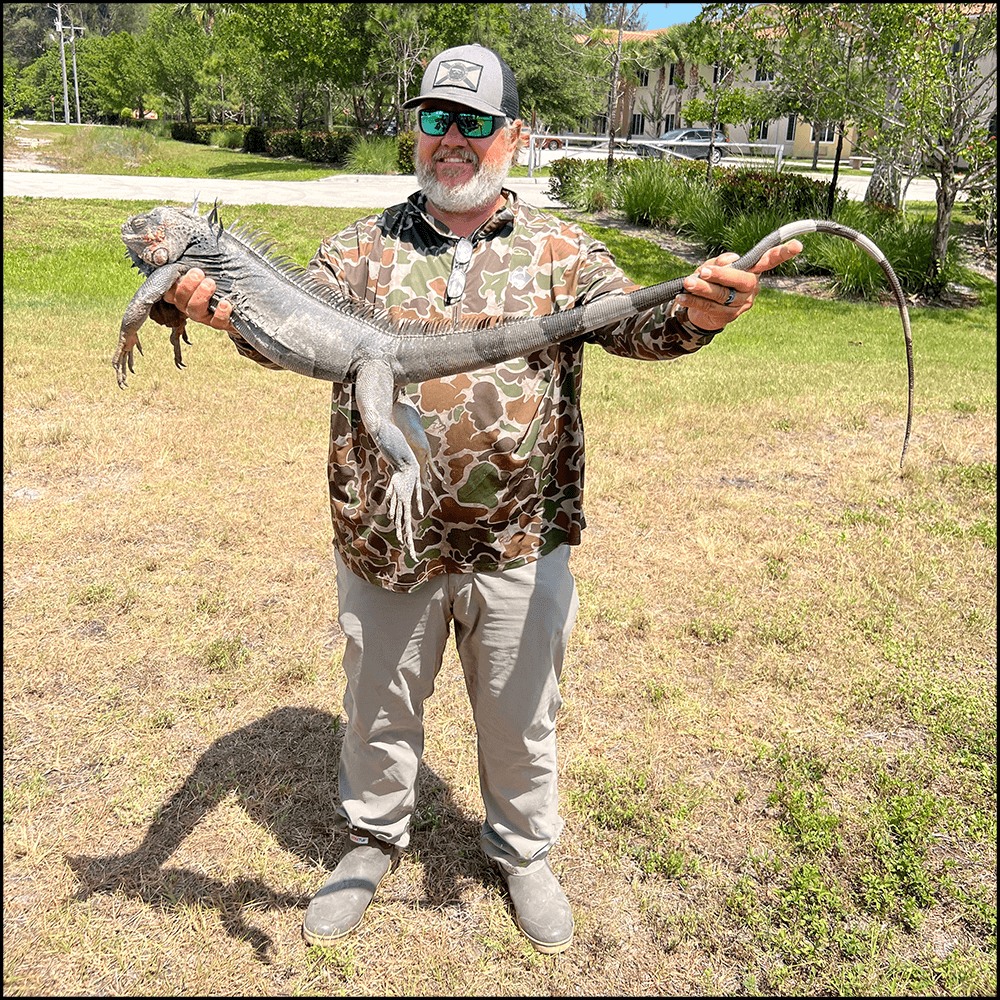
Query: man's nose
(455, 137)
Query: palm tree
(665, 49)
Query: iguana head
(162, 234)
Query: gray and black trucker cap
(473, 76)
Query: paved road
(339, 191)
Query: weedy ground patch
(778, 738)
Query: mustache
(465, 155)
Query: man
(504, 498)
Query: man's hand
(191, 294)
(716, 294)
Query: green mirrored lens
(475, 126)
(470, 125)
(435, 122)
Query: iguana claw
(403, 490)
(123, 359)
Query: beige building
(653, 103)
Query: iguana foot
(403, 487)
(123, 358)
(176, 336)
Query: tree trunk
(883, 186)
(947, 191)
(613, 94)
(831, 198)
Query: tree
(555, 75)
(177, 50)
(120, 71)
(947, 96)
(657, 54)
(606, 15)
(920, 87)
(721, 38)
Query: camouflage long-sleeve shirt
(507, 470)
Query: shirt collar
(502, 217)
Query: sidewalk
(340, 191)
(336, 191)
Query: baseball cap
(473, 76)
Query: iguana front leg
(375, 394)
(150, 292)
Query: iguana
(308, 328)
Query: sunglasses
(470, 124)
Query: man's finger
(777, 255)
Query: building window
(790, 131)
(637, 125)
(823, 132)
(600, 124)
(761, 131)
(642, 77)
(716, 73)
(670, 79)
(763, 75)
(669, 123)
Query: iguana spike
(213, 218)
(194, 204)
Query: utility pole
(62, 59)
(76, 84)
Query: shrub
(406, 142)
(183, 132)
(284, 142)
(745, 191)
(647, 196)
(255, 140)
(983, 206)
(230, 137)
(584, 183)
(373, 155)
(328, 147)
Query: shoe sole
(547, 947)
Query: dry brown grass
(767, 607)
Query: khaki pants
(511, 629)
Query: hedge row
(304, 144)
(742, 206)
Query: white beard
(481, 190)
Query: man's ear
(514, 134)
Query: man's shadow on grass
(282, 770)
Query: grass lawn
(778, 739)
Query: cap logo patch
(458, 73)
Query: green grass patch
(778, 737)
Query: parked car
(542, 141)
(693, 143)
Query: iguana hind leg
(167, 315)
(375, 394)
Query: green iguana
(305, 327)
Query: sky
(662, 15)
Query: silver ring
(730, 298)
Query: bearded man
(504, 502)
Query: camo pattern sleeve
(505, 482)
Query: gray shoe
(542, 910)
(341, 902)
